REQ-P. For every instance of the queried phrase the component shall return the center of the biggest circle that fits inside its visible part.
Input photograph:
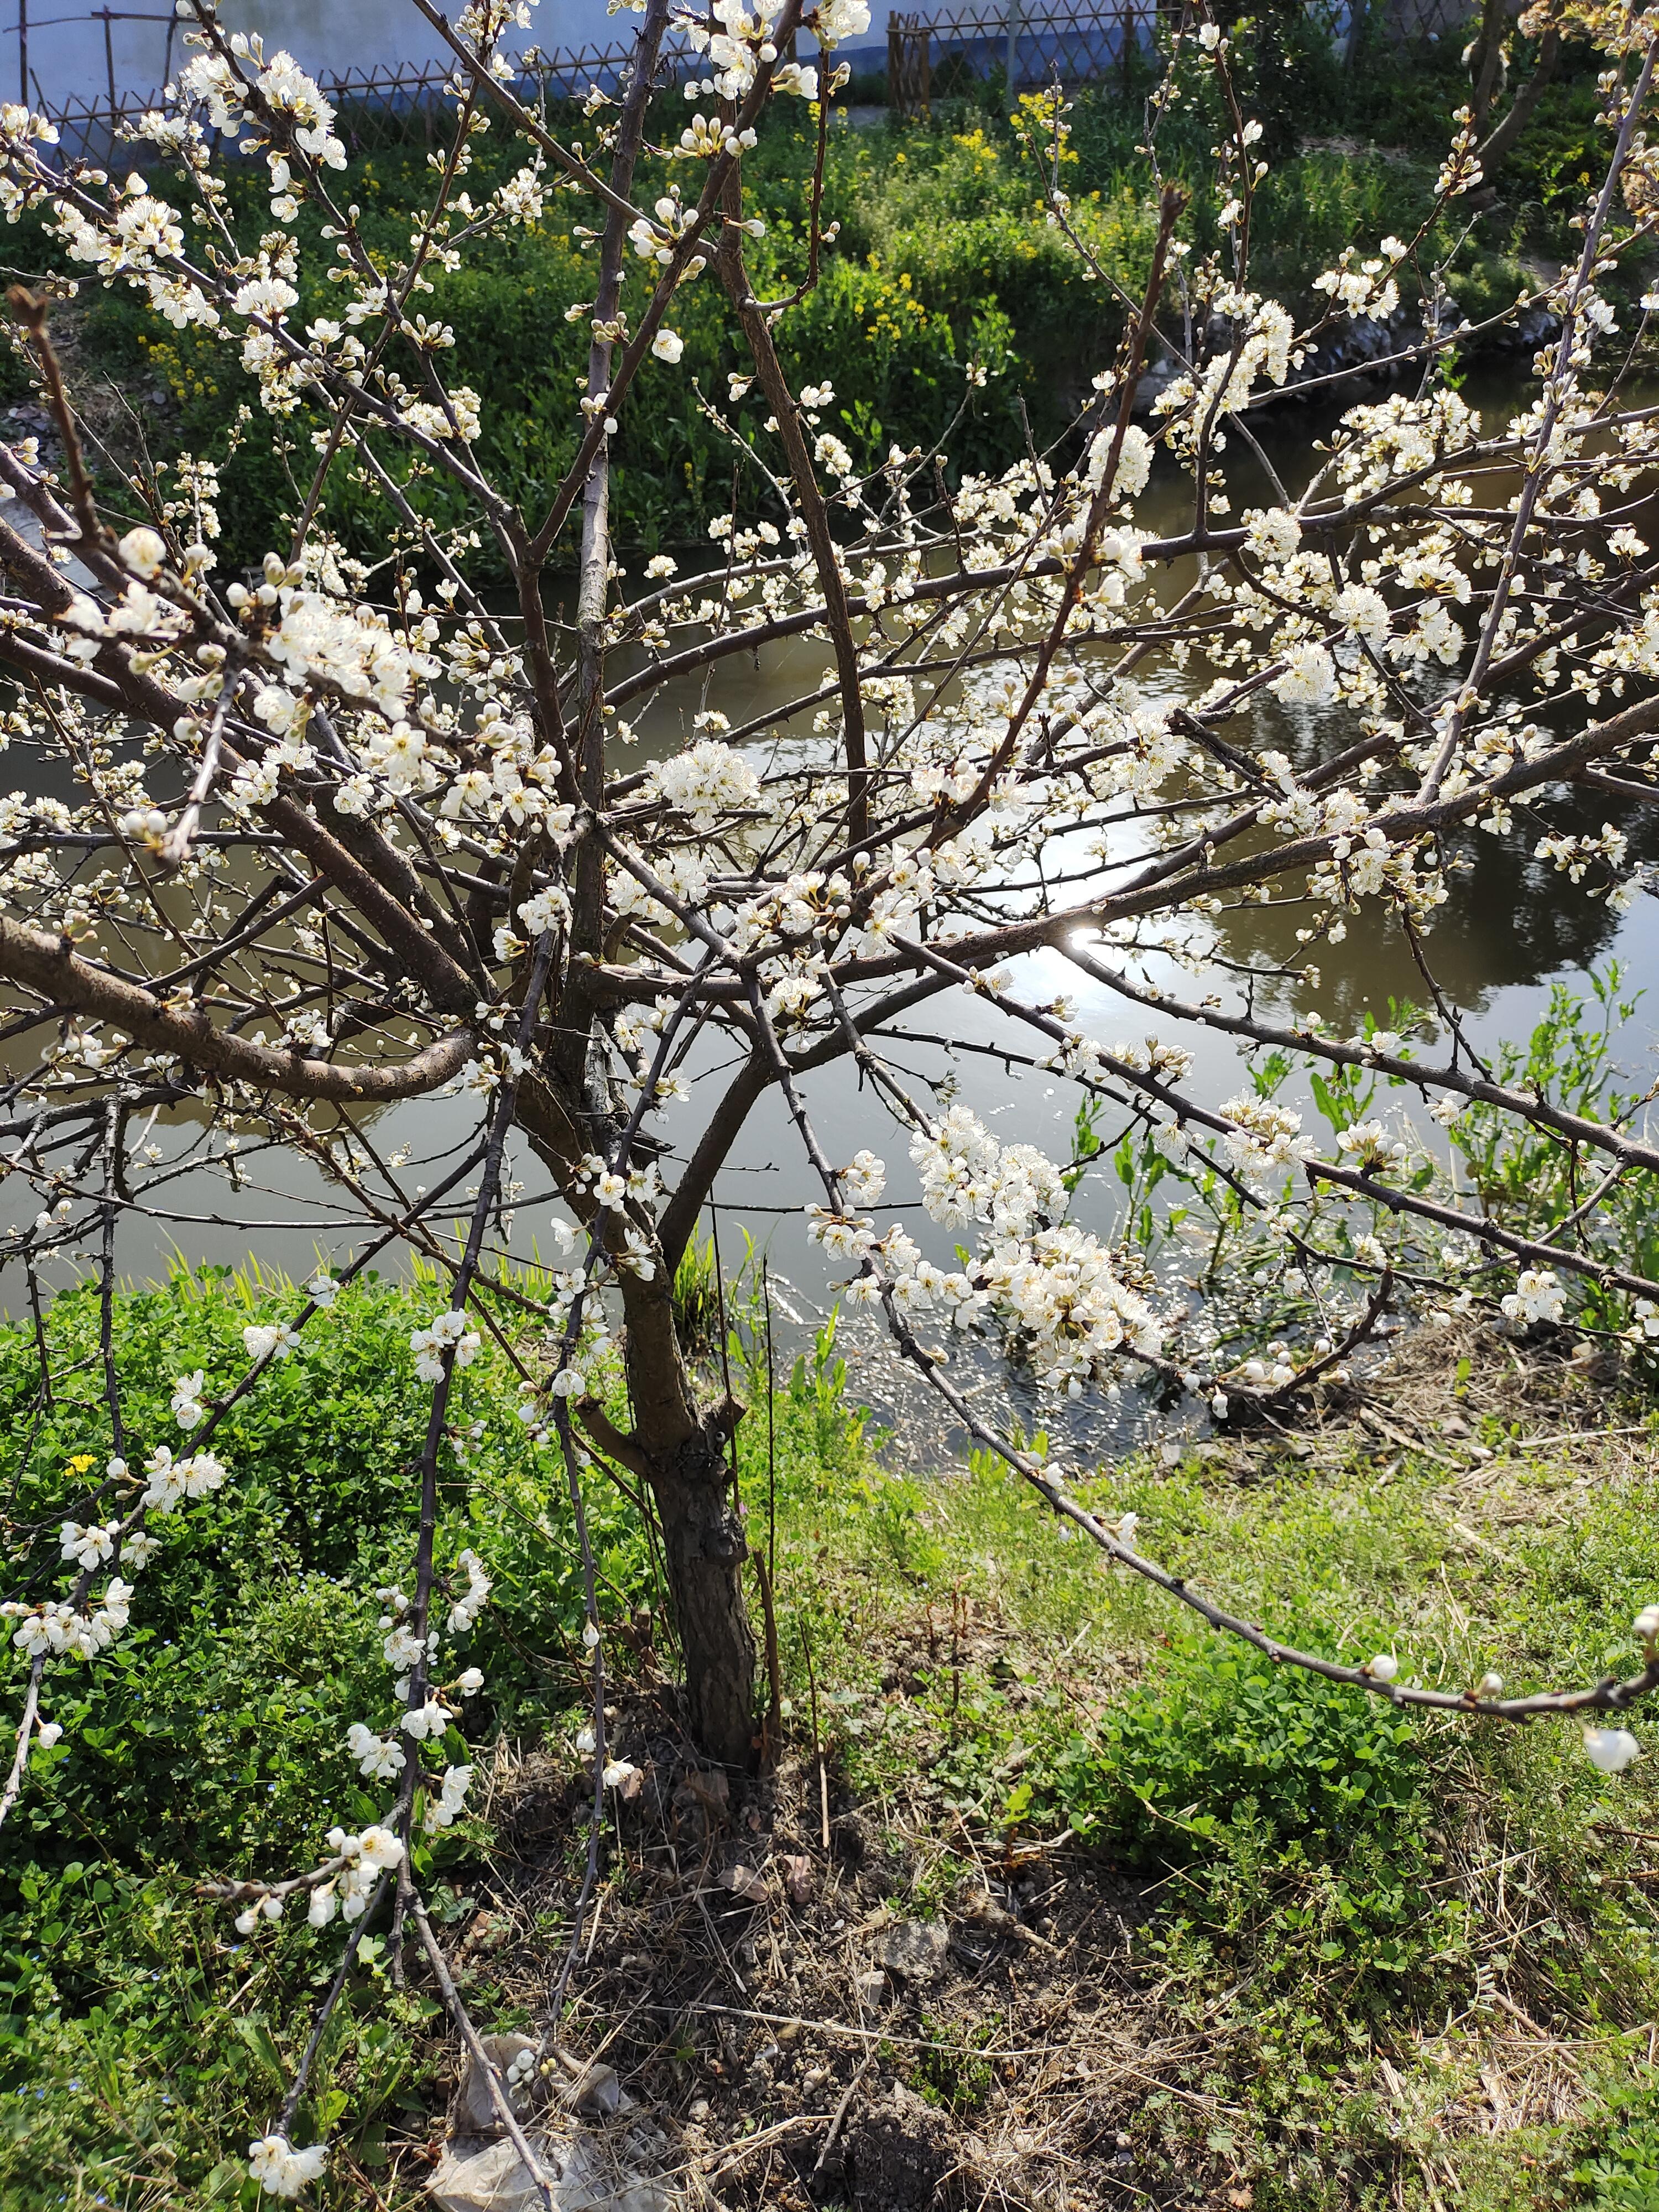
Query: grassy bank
(945, 257)
(1364, 1959)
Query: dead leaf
(712, 1788)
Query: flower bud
(1610, 1751)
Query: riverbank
(945, 263)
(1107, 1912)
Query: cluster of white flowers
(1369, 1147)
(1401, 435)
(1308, 678)
(1055, 1285)
(53, 1629)
(707, 782)
(269, 1340)
(426, 1721)
(1573, 855)
(277, 2167)
(1061, 1289)
(967, 1175)
(1263, 1136)
(743, 41)
(1262, 347)
(173, 1481)
(1368, 287)
(90, 1545)
(1537, 1296)
(214, 81)
(451, 1800)
(463, 1611)
(865, 1178)
(368, 1856)
(448, 1333)
(1273, 534)
(187, 1407)
(379, 1758)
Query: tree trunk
(682, 1452)
(676, 1448)
(1484, 59)
(703, 1542)
(679, 1449)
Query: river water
(1512, 926)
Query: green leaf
(253, 2032)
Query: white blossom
(277, 2167)
(1610, 1750)
(1537, 1296)
(188, 1408)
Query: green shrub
(1222, 1733)
(139, 2035)
(946, 255)
(1620, 2172)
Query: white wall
(70, 55)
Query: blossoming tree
(353, 832)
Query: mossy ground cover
(1354, 1956)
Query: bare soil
(797, 2035)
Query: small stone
(801, 1879)
(744, 1882)
(915, 1950)
(872, 1987)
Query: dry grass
(731, 1972)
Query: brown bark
(680, 1450)
(50, 966)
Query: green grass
(1343, 1888)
